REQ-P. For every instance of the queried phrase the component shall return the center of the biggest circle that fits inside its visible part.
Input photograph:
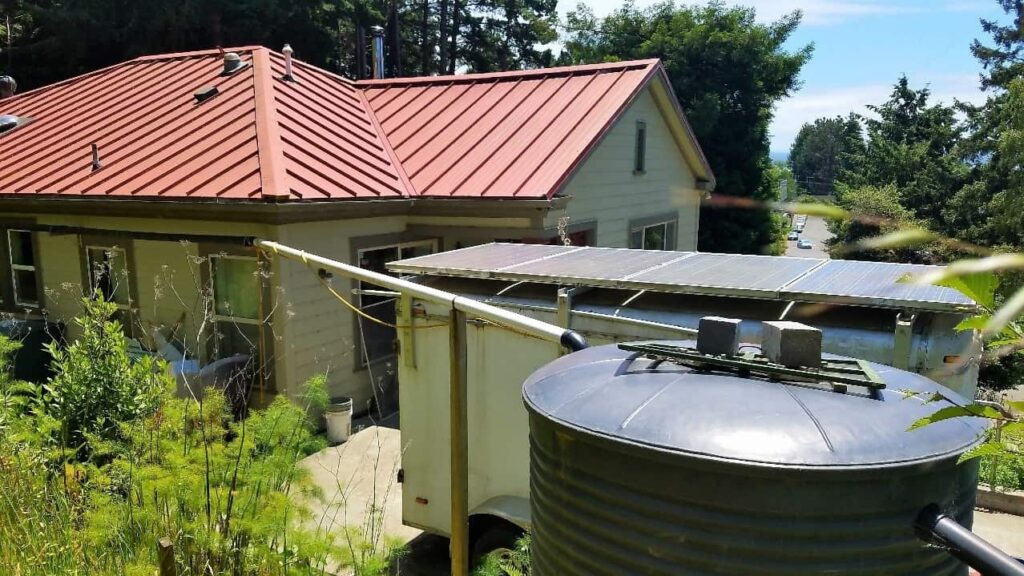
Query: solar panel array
(771, 277)
(850, 280)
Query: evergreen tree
(822, 149)
(728, 71)
(910, 146)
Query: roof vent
(205, 93)
(287, 51)
(7, 86)
(8, 122)
(232, 63)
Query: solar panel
(596, 264)
(853, 282)
(770, 277)
(484, 259)
(730, 274)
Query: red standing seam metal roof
(504, 135)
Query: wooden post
(458, 418)
(165, 554)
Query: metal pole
(937, 528)
(472, 308)
(458, 422)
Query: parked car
(794, 235)
(805, 244)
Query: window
(640, 155)
(656, 236)
(379, 340)
(108, 274)
(23, 268)
(236, 305)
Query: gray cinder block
(791, 344)
(718, 336)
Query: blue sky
(863, 46)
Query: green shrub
(142, 465)
(515, 562)
(96, 385)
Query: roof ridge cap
(409, 190)
(511, 74)
(270, 151)
(196, 53)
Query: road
(817, 232)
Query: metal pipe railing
(472, 308)
(937, 528)
(462, 309)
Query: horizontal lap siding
(168, 281)
(167, 276)
(61, 270)
(316, 331)
(606, 190)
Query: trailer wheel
(496, 538)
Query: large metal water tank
(641, 466)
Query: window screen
(236, 304)
(235, 292)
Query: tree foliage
(728, 70)
(50, 40)
(874, 211)
(822, 150)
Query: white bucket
(339, 420)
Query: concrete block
(791, 344)
(718, 336)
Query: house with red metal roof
(147, 180)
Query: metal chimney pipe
(378, 51)
(287, 51)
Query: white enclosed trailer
(615, 295)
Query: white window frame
(432, 243)
(642, 228)
(400, 245)
(213, 294)
(21, 267)
(92, 275)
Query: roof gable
(510, 135)
(262, 138)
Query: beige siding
(167, 276)
(168, 288)
(316, 333)
(61, 272)
(605, 189)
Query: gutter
(281, 212)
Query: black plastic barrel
(640, 467)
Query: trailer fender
(512, 509)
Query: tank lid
(628, 398)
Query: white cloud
(816, 12)
(822, 12)
(808, 105)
